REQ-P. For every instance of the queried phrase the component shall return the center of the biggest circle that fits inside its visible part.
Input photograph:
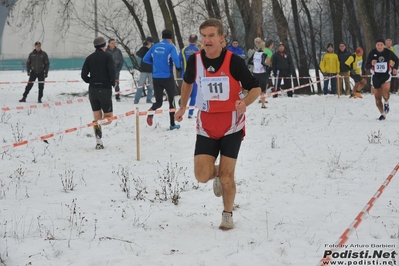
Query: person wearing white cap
(378, 62)
(99, 71)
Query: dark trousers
(285, 73)
(167, 84)
(117, 89)
(394, 84)
(33, 76)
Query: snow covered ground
(307, 167)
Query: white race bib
(359, 64)
(381, 67)
(215, 88)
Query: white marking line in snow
(359, 218)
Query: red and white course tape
(359, 218)
(69, 130)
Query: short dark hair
(110, 40)
(193, 38)
(213, 22)
(268, 43)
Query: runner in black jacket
(380, 65)
(99, 71)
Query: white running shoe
(227, 221)
(217, 187)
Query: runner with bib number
(378, 62)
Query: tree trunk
(281, 23)
(212, 9)
(132, 12)
(353, 27)
(337, 11)
(303, 69)
(151, 21)
(396, 24)
(176, 24)
(166, 16)
(233, 30)
(387, 18)
(313, 42)
(252, 17)
(367, 20)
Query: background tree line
(304, 26)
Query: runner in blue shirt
(185, 53)
(162, 56)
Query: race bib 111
(215, 88)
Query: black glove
(353, 72)
(45, 74)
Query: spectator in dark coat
(145, 73)
(118, 60)
(343, 55)
(37, 67)
(282, 67)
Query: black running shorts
(100, 99)
(378, 80)
(228, 145)
(262, 79)
(356, 77)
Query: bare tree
(232, 27)
(313, 42)
(353, 26)
(337, 11)
(151, 21)
(212, 7)
(281, 23)
(175, 23)
(302, 61)
(368, 22)
(251, 13)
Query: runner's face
(388, 43)
(211, 41)
(379, 46)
